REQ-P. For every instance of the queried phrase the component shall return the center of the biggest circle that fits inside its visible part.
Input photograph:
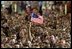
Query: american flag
(37, 20)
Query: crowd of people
(53, 33)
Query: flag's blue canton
(34, 15)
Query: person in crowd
(14, 7)
(28, 13)
(40, 7)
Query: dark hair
(29, 8)
(35, 8)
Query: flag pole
(29, 34)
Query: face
(16, 15)
(28, 10)
(35, 11)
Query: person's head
(28, 9)
(16, 14)
(35, 10)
